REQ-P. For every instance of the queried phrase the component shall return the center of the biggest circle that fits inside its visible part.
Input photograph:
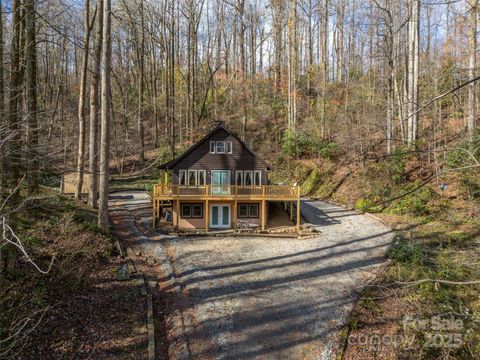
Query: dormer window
(220, 148)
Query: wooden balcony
(226, 192)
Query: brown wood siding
(201, 159)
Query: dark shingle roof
(221, 126)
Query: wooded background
(334, 73)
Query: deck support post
(263, 215)
(206, 216)
(234, 214)
(154, 213)
(178, 213)
(298, 215)
(291, 210)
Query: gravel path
(251, 297)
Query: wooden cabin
(219, 183)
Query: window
(247, 178)
(182, 177)
(253, 210)
(257, 178)
(220, 149)
(248, 210)
(186, 210)
(212, 147)
(192, 177)
(242, 210)
(238, 177)
(229, 147)
(197, 210)
(201, 177)
(192, 211)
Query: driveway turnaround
(270, 298)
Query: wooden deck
(226, 192)
(207, 193)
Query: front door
(220, 216)
(220, 182)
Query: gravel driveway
(274, 298)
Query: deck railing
(227, 191)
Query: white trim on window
(182, 180)
(195, 177)
(259, 182)
(220, 147)
(229, 147)
(204, 182)
(245, 173)
(212, 147)
(238, 176)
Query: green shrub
(415, 203)
(149, 187)
(460, 157)
(298, 144)
(396, 166)
(407, 252)
(325, 149)
(470, 187)
(367, 204)
(456, 158)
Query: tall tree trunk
(31, 96)
(323, 102)
(3, 169)
(141, 87)
(339, 43)
(243, 64)
(413, 33)
(472, 64)
(15, 95)
(94, 111)
(82, 99)
(292, 65)
(103, 222)
(277, 6)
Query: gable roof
(221, 126)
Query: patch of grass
(415, 203)
(407, 252)
(368, 205)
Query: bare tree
(412, 68)
(472, 64)
(3, 124)
(292, 65)
(94, 110)
(103, 222)
(31, 95)
(82, 100)
(15, 95)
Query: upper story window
(221, 147)
(192, 177)
(182, 177)
(248, 177)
